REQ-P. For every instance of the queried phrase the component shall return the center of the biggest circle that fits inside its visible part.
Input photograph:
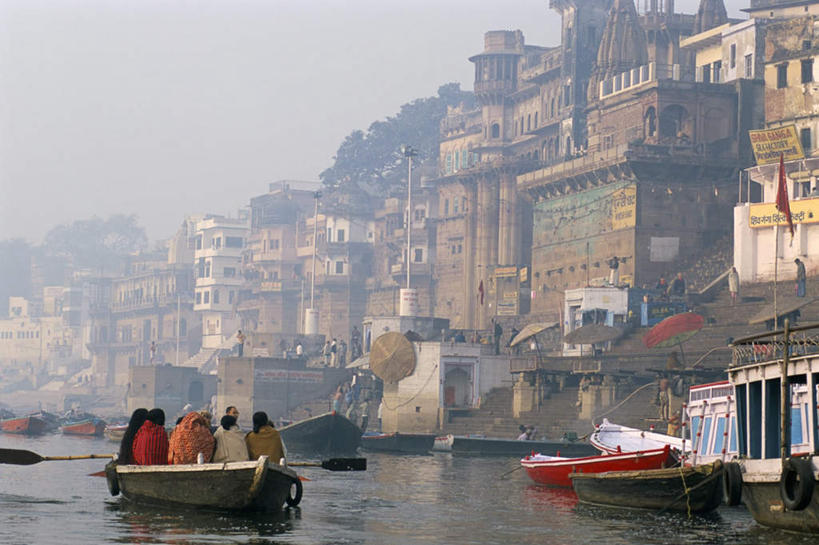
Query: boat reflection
(561, 499)
(139, 523)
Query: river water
(402, 500)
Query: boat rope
(686, 490)
(431, 374)
(632, 394)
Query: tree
(373, 161)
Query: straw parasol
(392, 357)
(592, 334)
(531, 330)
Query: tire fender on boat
(294, 499)
(732, 484)
(797, 483)
(111, 478)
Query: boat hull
(410, 443)
(115, 433)
(659, 489)
(483, 446)
(329, 434)
(764, 502)
(554, 471)
(91, 428)
(237, 486)
(26, 425)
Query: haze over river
(399, 500)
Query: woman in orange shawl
(189, 438)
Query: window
(733, 56)
(717, 68)
(805, 45)
(536, 120)
(230, 297)
(235, 242)
(528, 122)
(463, 204)
(183, 327)
(215, 296)
(216, 243)
(495, 130)
(207, 269)
(229, 272)
(782, 76)
(449, 163)
(339, 267)
(446, 207)
(274, 244)
(749, 66)
(454, 206)
(807, 70)
(464, 159)
(419, 255)
(805, 138)
(705, 71)
(329, 234)
(206, 297)
(199, 242)
(457, 160)
(340, 235)
(198, 297)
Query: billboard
(765, 214)
(768, 144)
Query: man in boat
(151, 441)
(230, 442)
(264, 439)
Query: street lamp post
(311, 315)
(409, 153)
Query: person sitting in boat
(191, 437)
(230, 442)
(264, 439)
(151, 441)
(126, 446)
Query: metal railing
(804, 340)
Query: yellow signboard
(624, 208)
(766, 214)
(506, 272)
(768, 144)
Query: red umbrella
(674, 330)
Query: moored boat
(614, 438)
(555, 470)
(26, 425)
(115, 433)
(487, 446)
(778, 470)
(91, 427)
(695, 489)
(329, 434)
(234, 486)
(409, 443)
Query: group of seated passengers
(146, 443)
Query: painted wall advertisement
(766, 214)
(769, 144)
(285, 375)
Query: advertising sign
(768, 144)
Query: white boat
(710, 426)
(614, 438)
(778, 484)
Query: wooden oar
(27, 458)
(336, 464)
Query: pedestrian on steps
(733, 284)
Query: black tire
(111, 477)
(732, 484)
(294, 500)
(797, 483)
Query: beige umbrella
(392, 357)
(531, 330)
(592, 334)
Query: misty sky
(167, 108)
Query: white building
(219, 245)
(592, 305)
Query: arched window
(650, 123)
(536, 120)
(456, 162)
(568, 145)
(495, 130)
(528, 122)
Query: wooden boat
(234, 486)
(27, 425)
(778, 484)
(115, 433)
(555, 470)
(486, 446)
(695, 489)
(409, 443)
(614, 438)
(91, 427)
(329, 434)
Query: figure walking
(733, 284)
(801, 277)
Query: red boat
(28, 425)
(555, 471)
(93, 427)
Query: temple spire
(711, 14)
(622, 47)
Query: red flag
(782, 203)
(480, 292)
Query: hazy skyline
(165, 109)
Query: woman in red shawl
(189, 438)
(151, 442)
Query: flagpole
(776, 269)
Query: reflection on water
(399, 500)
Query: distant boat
(115, 433)
(234, 486)
(555, 470)
(487, 446)
(26, 425)
(329, 434)
(408, 443)
(92, 427)
(695, 489)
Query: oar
(336, 464)
(27, 458)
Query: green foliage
(373, 160)
(96, 243)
